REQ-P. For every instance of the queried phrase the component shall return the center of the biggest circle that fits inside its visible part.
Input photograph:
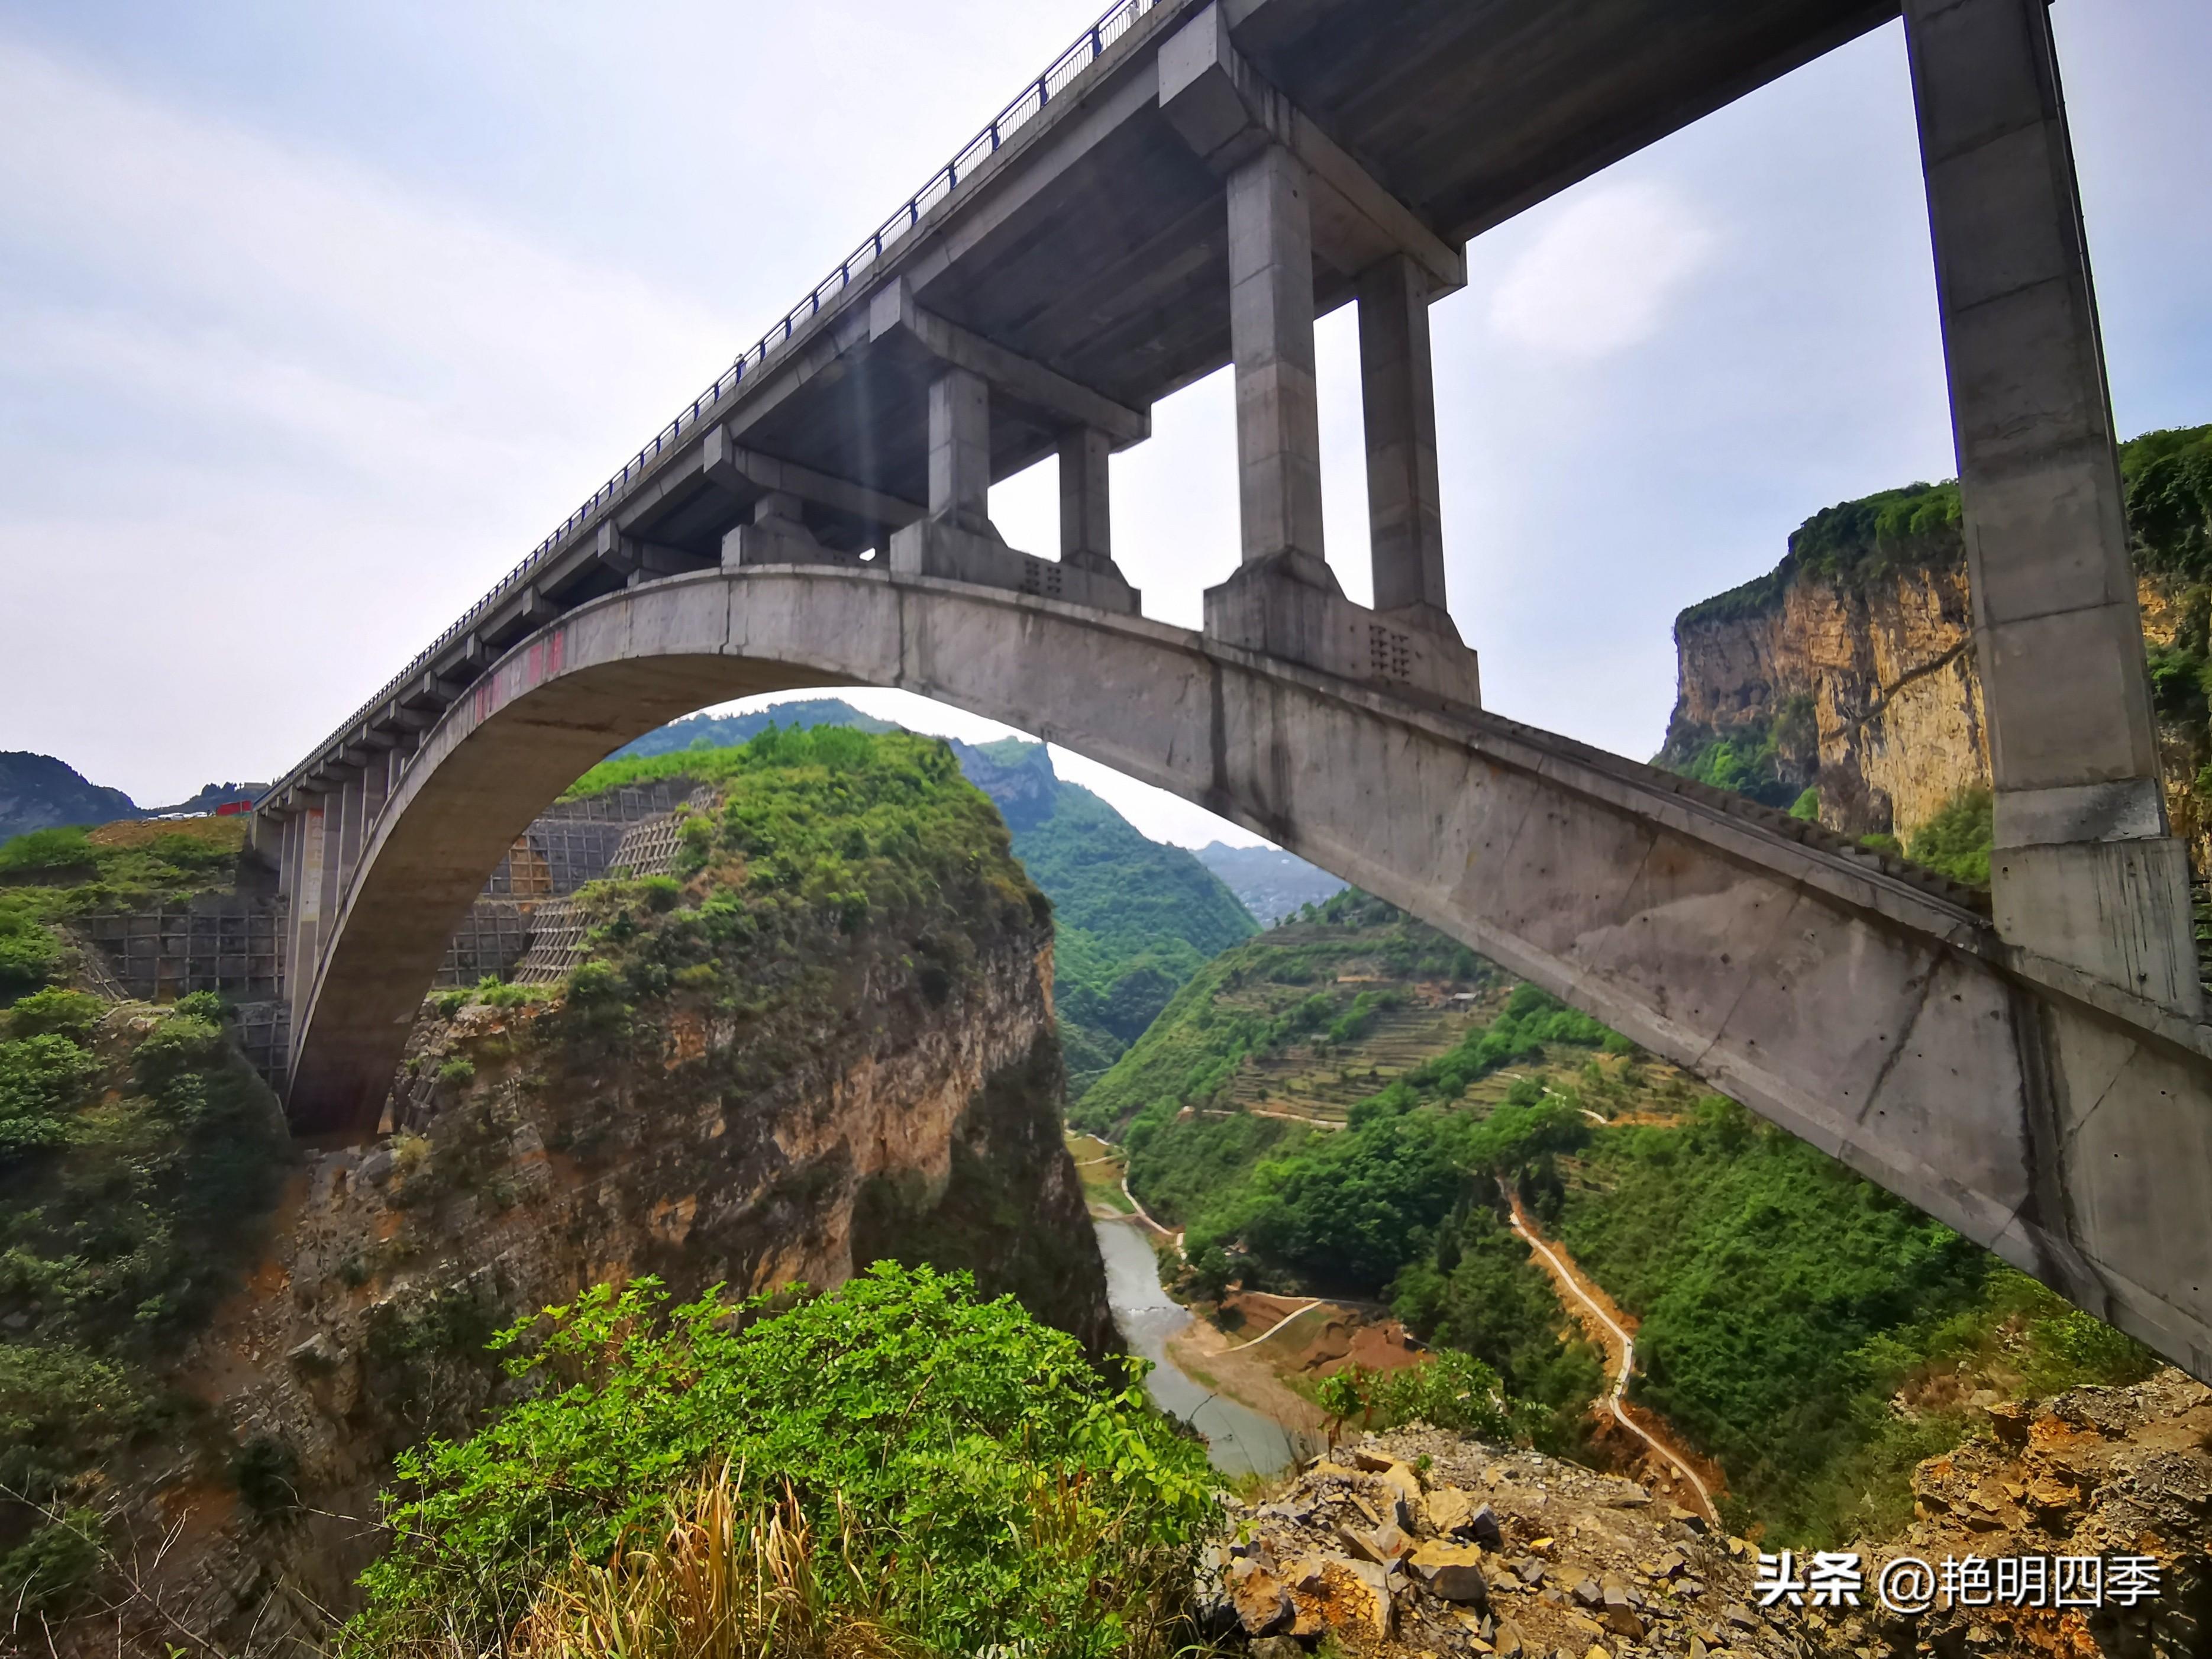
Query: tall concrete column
(307, 888)
(329, 866)
(353, 820)
(960, 451)
(2086, 872)
(375, 786)
(1086, 521)
(290, 858)
(1398, 398)
(1271, 326)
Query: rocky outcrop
(2095, 1472)
(1866, 690)
(857, 1098)
(1419, 1541)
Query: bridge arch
(2057, 1122)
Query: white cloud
(1599, 276)
(276, 399)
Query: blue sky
(315, 319)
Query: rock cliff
(1849, 670)
(828, 1040)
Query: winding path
(1567, 1275)
(1307, 1305)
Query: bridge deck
(1083, 233)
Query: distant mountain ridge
(37, 791)
(1267, 881)
(1136, 917)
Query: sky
(315, 319)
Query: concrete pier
(1271, 331)
(2086, 871)
(1086, 516)
(1397, 399)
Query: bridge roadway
(1190, 185)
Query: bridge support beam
(1271, 327)
(1276, 167)
(1398, 395)
(1086, 518)
(958, 541)
(2086, 872)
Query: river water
(1239, 1440)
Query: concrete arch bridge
(1187, 187)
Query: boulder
(1381, 1546)
(1450, 1571)
(1262, 1605)
(1460, 1515)
(1376, 1581)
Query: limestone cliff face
(1866, 689)
(889, 1112)
(1869, 692)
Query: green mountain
(1342, 1104)
(1136, 919)
(1267, 881)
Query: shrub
(266, 1472)
(1004, 1492)
(44, 850)
(183, 1043)
(61, 1013)
(51, 1568)
(457, 1070)
(42, 1079)
(1958, 840)
(29, 954)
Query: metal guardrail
(1030, 103)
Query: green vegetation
(820, 828)
(1274, 992)
(983, 1484)
(1785, 1301)
(1134, 920)
(729, 731)
(1401, 1201)
(1765, 759)
(1957, 840)
(49, 874)
(137, 1159)
(2167, 476)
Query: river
(1239, 1440)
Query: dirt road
(1586, 1303)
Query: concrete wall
(2055, 1120)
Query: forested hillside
(1812, 1334)
(1134, 918)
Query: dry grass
(729, 1577)
(227, 834)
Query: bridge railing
(1029, 104)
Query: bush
(457, 1070)
(29, 954)
(60, 1012)
(53, 1567)
(42, 1079)
(182, 1043)
(266, 1472)
(1960, 839)
(43, 850)
(1005, 1494)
